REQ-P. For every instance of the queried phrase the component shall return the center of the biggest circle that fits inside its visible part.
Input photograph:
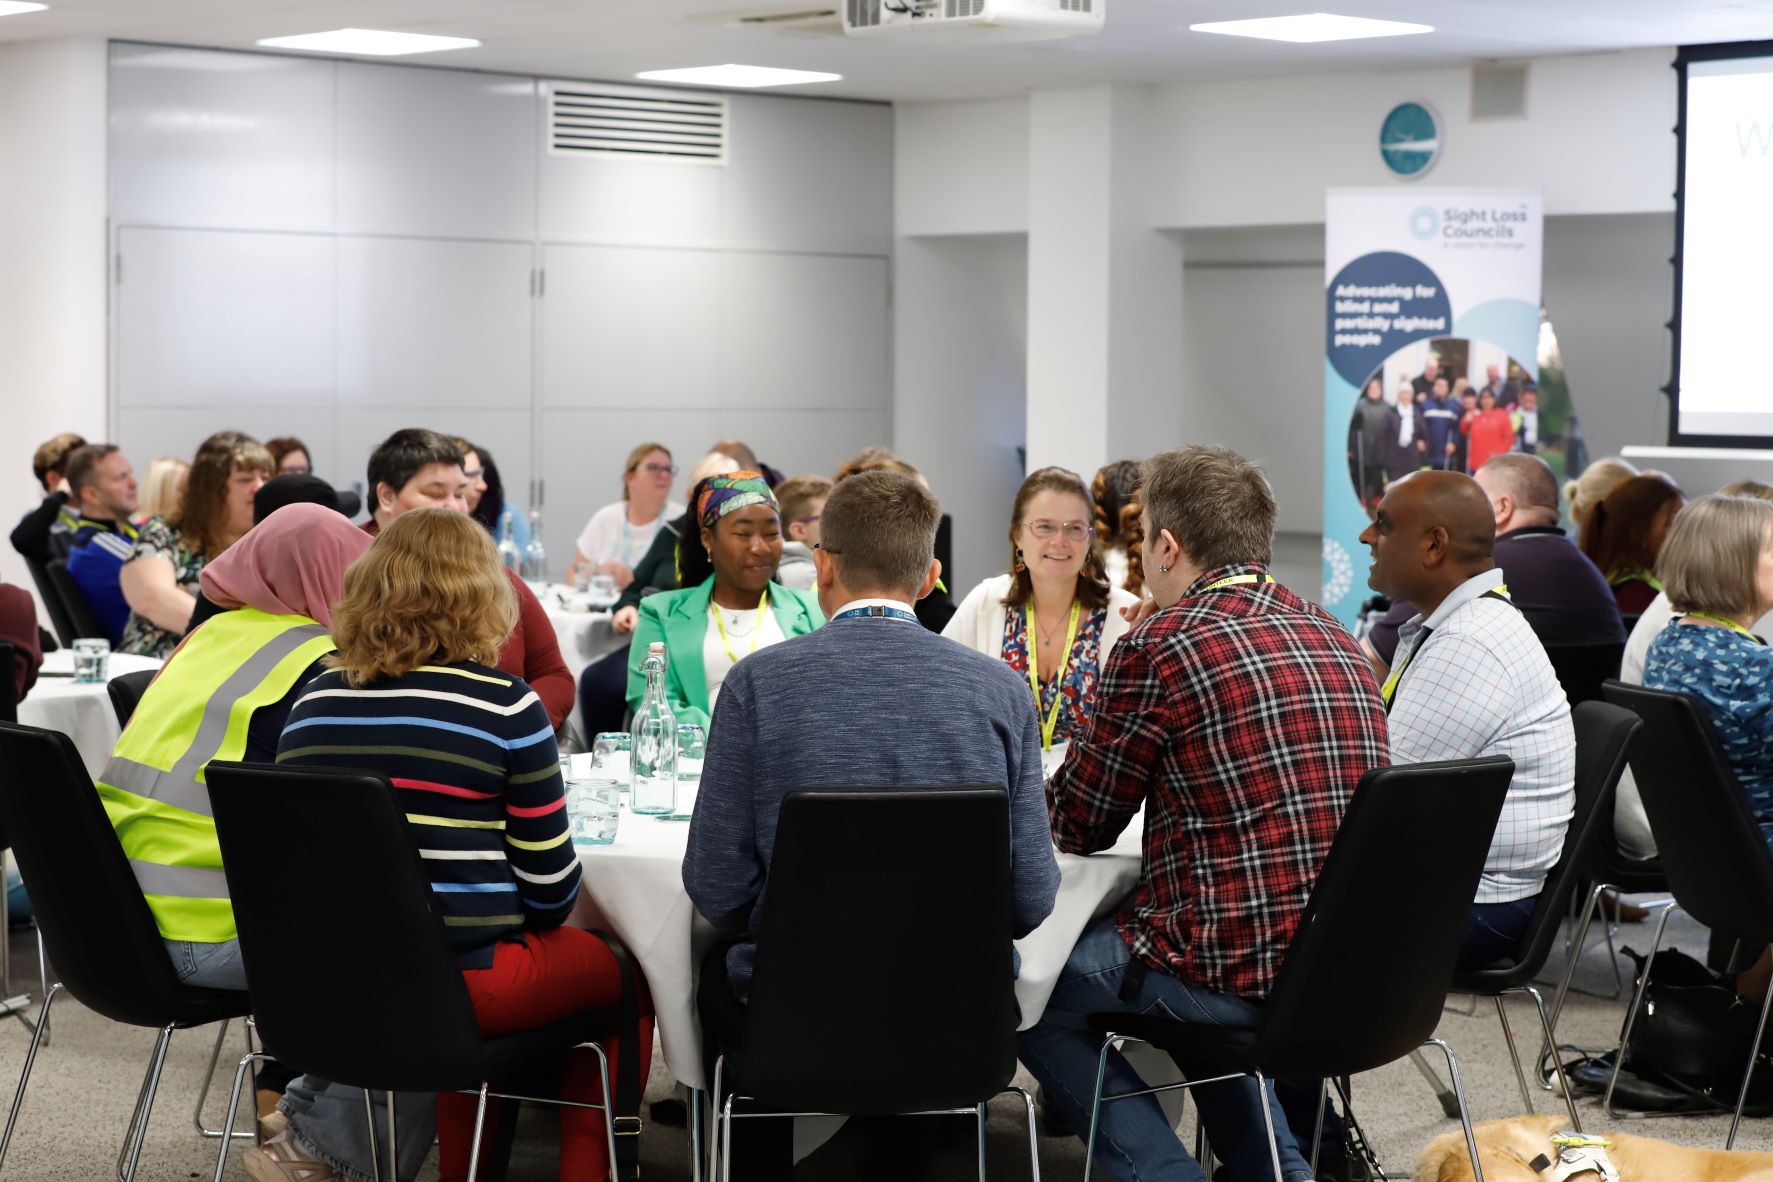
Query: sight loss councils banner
(1431, 299)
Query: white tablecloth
(583, 635)
(634, 888)
(82, 711)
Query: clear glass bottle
(508, 545)
(535, 558)
(654, 756)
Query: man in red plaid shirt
(1239, 719)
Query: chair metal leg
(1096, 1104)
(150, 1086)
(1556, 1059)
(698, 1110)
(609, 1109)
(1748, 1076)
(714, 1173)
(1033, 1133)
(43, 979)
(1637, 1003)
(1268, 1125)
(1477, 1168)
(24, 1079)
(982, 1134)
(248, 1062)
(394, 1141)
(1573, 952)
(369, 1122)
(215, 1057)
(726, 1141)
(1514, 1056)
(1449, 1102)
(474, 1145)
(1317, 1132)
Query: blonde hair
(160, 487)
(1596, 481)
(635, 457)
(202, 517)
(872, 459)
(798, 494)
(715, 463)
(1747, 488)
(429, 591)
(1708, 562)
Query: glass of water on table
(593, 799)
(692, 748)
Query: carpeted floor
(86, 1078)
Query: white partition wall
(339, 249)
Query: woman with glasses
(1053, 618)
(618, 535)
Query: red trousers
(548, 977)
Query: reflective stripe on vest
(198, 709)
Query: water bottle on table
(535, 557)
(655, 742)
(508, 552)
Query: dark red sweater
(18, 624)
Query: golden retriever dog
(1505, 1147)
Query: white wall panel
(638, 201)
(582, 453)
(804, 331)
(435, 153)
(434, 324)
(224, 319)
(809, 176)
(797, 441)
(202, 138)
(625, 327)
(505, 434)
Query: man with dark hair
(1239, 719)
(47, 532)
(419, 469)
(863, 685)
(103, 486)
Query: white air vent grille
(1077, 5)
(636, 123)
(963, 8)
(864, 14)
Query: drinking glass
(593, 802)
(601, 590)
(92, 658)
(612, 750)
(692, 748)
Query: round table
(80, 710)
(633, 887)
(583, 634)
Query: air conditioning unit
(966, 22)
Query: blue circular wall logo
(1425, 223)
(1376, 305)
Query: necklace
(763, 604)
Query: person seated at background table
(1471, 679)
(1239, 717)
(802, 499)
(1488, 430)
(1630, 826)
(102, 484)
(18, 627)
(291, 456)
(1559, 591)
(273, 495)
(162, 490)
(419, 469)
(413, 693)
(46, 532)
(1592, 487)
(617, 537)
(747, 459)
(159, 579)
(937, 608)
(730, 605)
(1623, 535)
(1406, 435)
(1115, 492)
(1053, 618)
(870, 698)
(485, 497)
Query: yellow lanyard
(756, 631)
(1732, 625)
(1050, 723)
(1388, 691)
(1235, 580)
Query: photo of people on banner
(1449, 404)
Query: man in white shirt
(1471, 679)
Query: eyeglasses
(825, 548)
(1074, 531)
(807, 520)
(659, 469)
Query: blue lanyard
(875, 612)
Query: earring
(1162, 569)
(1020, 565)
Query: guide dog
(1506, 1147)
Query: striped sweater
(472, 758)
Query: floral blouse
(1079, 687)
(141, 635)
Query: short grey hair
(1708, 562)
(880, 529)
(1527, 478)
(1215, 502)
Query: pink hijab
(291, 564)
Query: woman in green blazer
(730, 605)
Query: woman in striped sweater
(413, 693)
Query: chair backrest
(1367, 972)
(1603, 735)
(126, 690)
(52, 603)
(99, 932)
(1712, 851)
(1581, 668)
(74, 600)
(884, 972)
(8, 682)
(362, 914)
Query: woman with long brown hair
(1116, 492)
(1054, 617)
(159, 578)
(1624, 533)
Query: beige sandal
(280, 1160)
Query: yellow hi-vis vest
(196, 710)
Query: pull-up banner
(1431, 308)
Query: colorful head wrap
(732, 492)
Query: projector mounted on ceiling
(967, 22)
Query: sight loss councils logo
(1425, 223)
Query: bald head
(1433, 531)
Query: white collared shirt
(1480, 685)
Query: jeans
(1494, 932)
(328, 1122)
(1134, 1140)
(211, 966)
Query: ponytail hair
(1116, 494)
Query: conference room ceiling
(1145, 40)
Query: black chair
(867, 879)
(8, 682)
(52, 603)
(405, 1023)
(1718, 865)
(125, 692)
(1581, 668)
(1406, 859)
(1603, 733)
(73, 599)
(91, 915)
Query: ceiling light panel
(369, 42)
(1312, 26)
(738, 77)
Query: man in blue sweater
(871, 698)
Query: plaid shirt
(1240, 719)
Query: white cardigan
(978, 622)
